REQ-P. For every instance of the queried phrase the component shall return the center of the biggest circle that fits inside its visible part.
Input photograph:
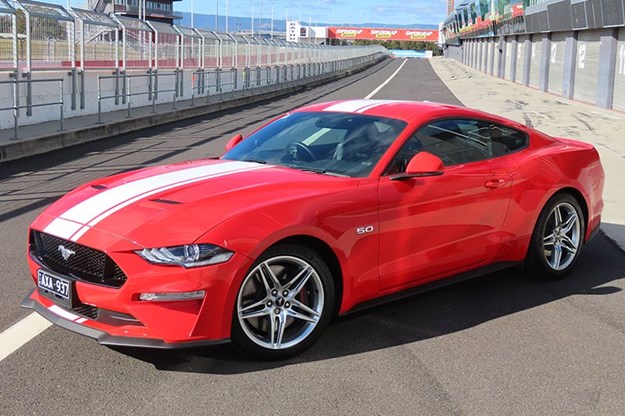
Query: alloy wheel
(562, 236)
(280, 302)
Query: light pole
(192, 12)
(216, 15)
(227, 15)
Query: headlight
(191, 255)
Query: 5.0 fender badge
(364, 230)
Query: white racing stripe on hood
(62, 228)
(373, 104)
(358, 106)
(95, 209)
(349, 106)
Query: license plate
(55, 287)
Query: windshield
(324, 142)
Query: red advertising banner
(422, 35)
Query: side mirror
(234, 141)
(422, 164)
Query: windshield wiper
(320, 171)
(262, 162)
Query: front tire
(284, 303)
(557, 239)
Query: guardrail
(126, 90)
(127, 95)
(16, 107)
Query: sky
(387, 12)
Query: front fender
(331, 219)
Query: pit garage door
(491, 55)
(508, 68)
(556, 62)
(500, 47)
(471, 53)
(537, 46)
(474, 52)
(520, 58)
(619, 74)
(484, 54)
(587, 65)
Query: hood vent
(166, 201)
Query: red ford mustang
(326, 210)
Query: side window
(507, 140)
(459, 141)
(456, 141)
(496, 139)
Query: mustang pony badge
(66, 253)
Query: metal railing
(127, 93)
(39, 36)
(202, 83)
(16, 107)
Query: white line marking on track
(516, 102)
(541, 114)
(19, 334)
(374, 92)
(606, 115)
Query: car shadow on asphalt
(418, 318)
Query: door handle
(495, 183)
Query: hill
(207, 21)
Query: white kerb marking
(19, 334)
(374, 92)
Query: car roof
(403, 110)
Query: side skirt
(432, 286)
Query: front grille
(84, 264)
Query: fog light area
(169, 297)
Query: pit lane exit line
(374, 92)
(20, 333)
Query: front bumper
(118, 315)
(70, 322)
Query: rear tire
(557, 239)
(284, 303)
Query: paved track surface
(500, 344)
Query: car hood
(176, 204)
